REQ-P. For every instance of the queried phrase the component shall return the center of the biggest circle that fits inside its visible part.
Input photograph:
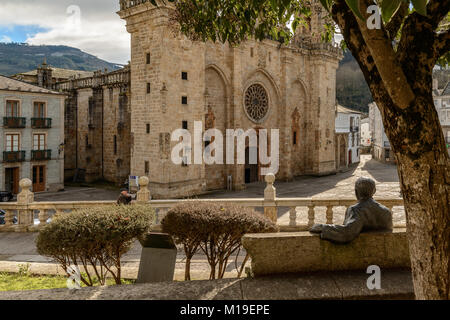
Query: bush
(96, 236)
(215, 229)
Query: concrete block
(299, 252)
(158, 258)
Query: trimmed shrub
(215, 229)
(96, 236)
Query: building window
(251, 52)
(39, 141)
(147, 167)
(148, 128)
(185, 125)
(148, 87)
(12, 108)
(184, 75)
(12, 142)
(184, 100)
(39, 110)
(148, 58)
(115, 144)
(294, 139)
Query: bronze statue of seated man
(366, 215)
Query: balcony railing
(14, 122)
(41, 123)
(14, 156)
(41, 155)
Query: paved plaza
(19, 248)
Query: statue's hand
(317, 228)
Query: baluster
(9, 218)
(58, 212)
(293, 217)
(311, 215)
(43, 217)
(329, 214)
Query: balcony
(13, 156)
(14, 122)
(354, 129)
(41, 123)
(41, 155)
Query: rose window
(256, 102)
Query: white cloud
(92, 26)
(5, 39)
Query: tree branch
(348, 25)
(417, 44)
(442, 44)
(380, 46)
(393, 26)
(437, 10)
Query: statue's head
(364, 188)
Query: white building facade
(442, 104)
(381, 148)
(347, 124)
(32, 131)
(366, 134)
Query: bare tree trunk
(418, 143)
(424, 172)
(426, 195)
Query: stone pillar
(143, 195)
(270, 193)
(24, 198)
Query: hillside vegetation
(17, 58)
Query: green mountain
(351, 87)
(18, 57)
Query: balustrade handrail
(25, 208)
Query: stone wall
(299, 81)
(98, 140)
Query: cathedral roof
(63, 73)
(16, 85)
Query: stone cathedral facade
(120, 123)
(175, 81)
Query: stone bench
(299, 252)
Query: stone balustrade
(126, 4)
(99, 79)
(31, 215)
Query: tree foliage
(214, 229)
(233, 21)
(94, 238)
(397, 58)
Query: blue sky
(89, 25)
(19, 33)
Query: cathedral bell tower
(44, 75)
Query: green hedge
(96, 237)
(214, 229)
